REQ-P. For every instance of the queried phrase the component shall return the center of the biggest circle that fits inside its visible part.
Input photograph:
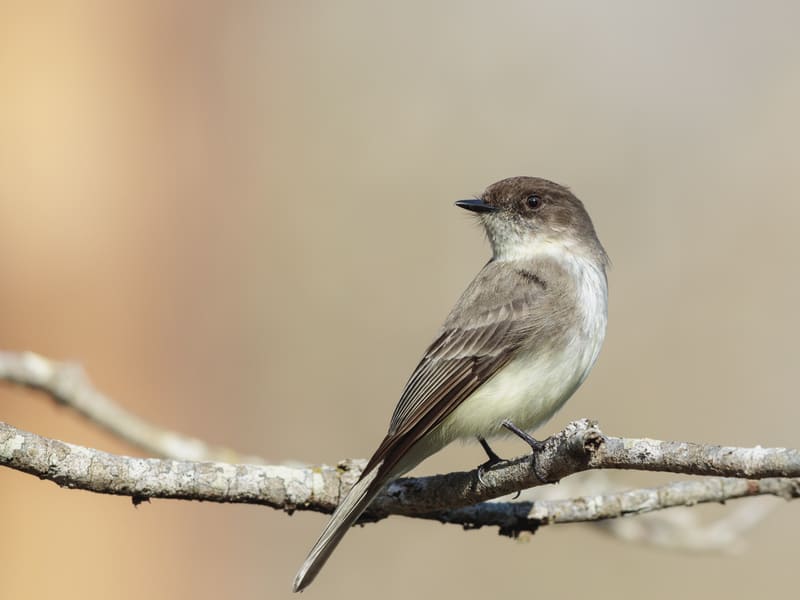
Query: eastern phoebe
(517, 344)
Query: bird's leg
(536, 445)
(493, 459)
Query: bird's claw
(482, 468)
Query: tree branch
(447, 498)
(197, 471)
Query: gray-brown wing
(454, 366)
(455, 353)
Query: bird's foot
(536, 446)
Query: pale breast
(541, 377)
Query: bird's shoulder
(505, 290)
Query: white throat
(513, 247)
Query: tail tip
(301, 581)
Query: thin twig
(68, 385)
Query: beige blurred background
(239, 218)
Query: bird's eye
(533, 201)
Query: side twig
(68, 385)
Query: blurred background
(239, 218)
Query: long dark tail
(348, 511)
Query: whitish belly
(528, 391)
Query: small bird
(518, 343)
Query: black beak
(478, 206)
